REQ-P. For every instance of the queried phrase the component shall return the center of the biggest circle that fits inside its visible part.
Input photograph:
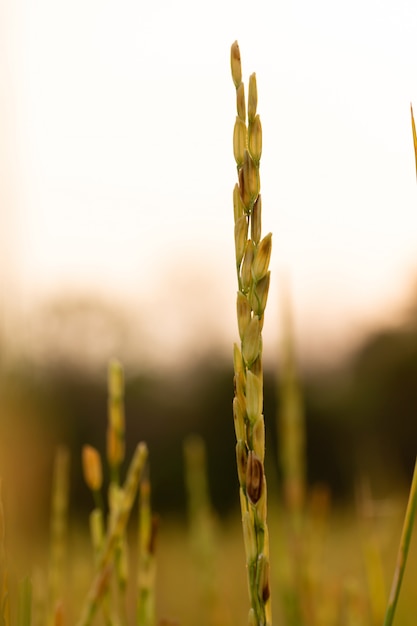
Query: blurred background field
(359, 409)
(359, 412)
(360, 451)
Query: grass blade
(116, 531)
(402, 551)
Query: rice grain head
(253, 255)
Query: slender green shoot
(291, 421)
(200, 515)
(114, 534)
(292, 455)
(146, 572)
(59, 523)
(116, 420)
(372, 552)
(115, 457)
(402, 551)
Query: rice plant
(110, 546)
(252, 260)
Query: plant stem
(115, 532)
(402, 551)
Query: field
(342, 569)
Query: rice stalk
(93, 476)
(412, 501)
(146, 572)
(201, 526)
(402, 551)
(115, 532)
(291, 422)
(253, 277)
(372, 552)
(116, 420)
(115, 457)
(59, 525)
(292, 454)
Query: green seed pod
(254, 477)
(237, 360)
(261, 261)
(244, 189)
(254, 396)
(239, 413)
(261, 504)
(241, 236)
(240, 388)
(238, 206)
(235, 64)
(92, 468)
(239, 141)
(115, 447)
(259, 295)
(254, 182)
(241, 460)
(258, 437)
(252, 98)
(264, 588)
(115, 379)
(251, 341)
(250, 180)
(256, 368)
(240, 102)
(116, 415)
(256, 220)
(246, 269)
(243, 313)
(255, 140)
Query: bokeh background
(116, 235)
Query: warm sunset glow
(118, 167)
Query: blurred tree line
(360, 420)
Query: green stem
(99, 584)
(402, 551)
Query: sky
(118, 169)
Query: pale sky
(119, 163)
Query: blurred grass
(335, 550)
(336, 573)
